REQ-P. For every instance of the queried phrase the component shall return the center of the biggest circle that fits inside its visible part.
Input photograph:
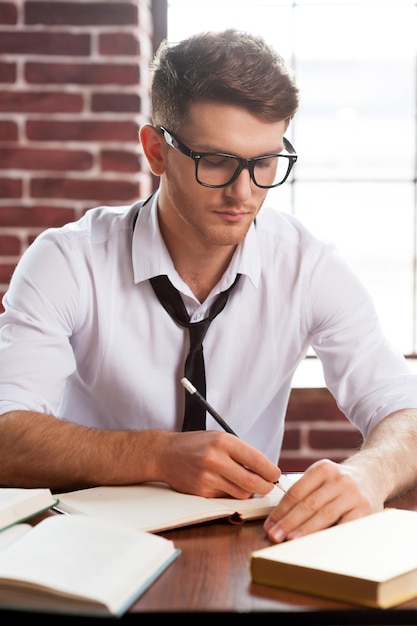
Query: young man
(91, 362)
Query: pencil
(201, 399)
(193, 391)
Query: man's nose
(241, 188)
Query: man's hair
(229, 67)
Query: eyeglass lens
(219, 170)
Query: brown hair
(231, 67)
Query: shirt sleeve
(368, 377)
(41, 309)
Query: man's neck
(201, 269)
(199, 263)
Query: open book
(156, 507)
(370, 561)
(79, 565)
(18, 505)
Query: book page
(154, 507)
(148, 507)
(255, 507)
(85, 558)
(13, 533)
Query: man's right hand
(215, 464)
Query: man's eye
(266, 163)
(215, 161)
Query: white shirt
(85, 338)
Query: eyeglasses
(219, 169)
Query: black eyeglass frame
(242, 163)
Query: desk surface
(212, 575)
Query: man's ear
(153, 145)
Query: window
(355, 132)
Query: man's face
(222, 216)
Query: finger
(306, 486)
(295, 516)
(219, 473)
(343, 508)
(322, 474)
(249, 480)
(240, 482)
(256, 462)
(215, 485)
(324, 517)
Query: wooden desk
(212, 575)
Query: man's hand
(326, 494)
(215, 464)
(329, 493)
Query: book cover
(370, 561)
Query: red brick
(118, 44)
(116, 102)
(10, 188)
(79, 130)
(76, 189)
(9, 245)
(40, 216)
(118, 161)
(326, 438)
(8, 131)
(81, 13)
(40, 102)
(8, 13)
(33, 159)
(313, 404)
(294, 464)
(82, 74)
(20, 42)
(292, 439)
(7, 72)
(6, 271)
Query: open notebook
(155, 507)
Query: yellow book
(371, 561)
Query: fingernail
(277, 535)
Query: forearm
(38, 450)
(41, 450)
(389, 454)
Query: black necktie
(170, 298)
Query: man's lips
(232, 216)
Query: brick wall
(74, 91)
(316, 429)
